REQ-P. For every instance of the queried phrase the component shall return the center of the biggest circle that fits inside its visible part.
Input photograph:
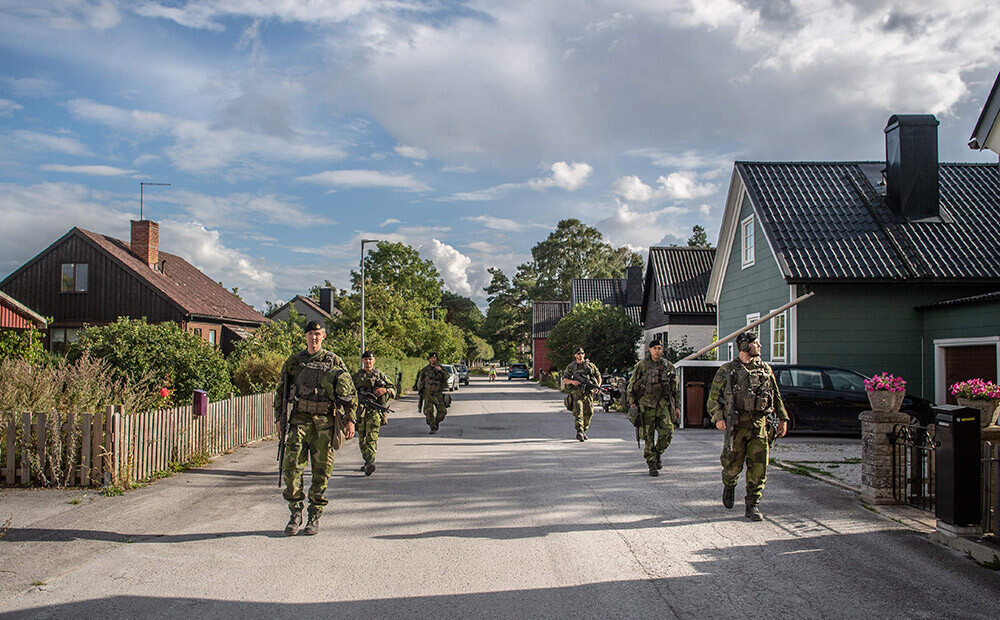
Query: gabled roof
(180, 282)
(987, 123)
(829, 222)
(306, 301)
(609, 291)
(26, 313)
(680, 277)
(545, 315)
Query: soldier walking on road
(318, 386)
(653, 395)
(431, 382)
(743, 395)
(580, 379)
(370, 420)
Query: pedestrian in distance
(372, 385)
(317, 387)
(432, 380)
(580, 379)
(653, 394)
(744, 394)
(493, 373)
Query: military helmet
(743, 340)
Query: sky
(289, 131)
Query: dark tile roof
(609, 291)
(681, 276)
(545, 315)
(964, 301)
(181, 282)
(308, 301)
(830, 222)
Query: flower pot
(987, 409)
(884, 401)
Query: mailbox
(957, 465)
(200, 402)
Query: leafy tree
(279, 337)
(22, 344)
(606, 333)
(477, 349)
(508, 318)
(400, 266)
(462, 311)
(164, 352)
(698, 238)
(574, 250)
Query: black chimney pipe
(326, 299)
(911, 154)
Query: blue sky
(289, 131)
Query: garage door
(961, 363)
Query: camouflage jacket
(431, 380)
(588, 368)
(334, 385)
(368, 381)
(654, 384)
(718, 398)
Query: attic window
(73, 278)
(746, 234)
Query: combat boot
(659, 462)
(728, 495)
(653, 471)
(312, 526)
(364, 466)
(369, 468)
(753, 513)
(579, 435)
(585, 438)
(293, 524)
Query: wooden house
(85, 278)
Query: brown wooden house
(89, 278)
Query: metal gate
(913, 465)
(991, 488)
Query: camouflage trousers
(657, 429)
(308, 442)
(432, 401)
(368, 425)
(583, 411)
(750, 446)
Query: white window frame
(729, 350)
(748, 243)
(750, 319)
(784, 339)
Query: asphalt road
(500, 515)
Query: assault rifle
(585, 381)
(369, 401)
(637, 421)
(731, 416)
(282, 426)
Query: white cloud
(564, 176)
(30, 86)
(641, 229)
(412, 152)
(8, 107)
(388, 222)
(631, 188)
(452, 265)
(685, 186)
(98, 171)
(484, 247)
(496, 223)
(461, 169)
(70, 14)
(366, 179)
(208, 14)
(36, 141)
(241, 210)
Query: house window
(197, 331)
(211, 336)
(746, 228)
(74, 278)
(61, 337)
(729, 350)
(778, 338)
(750, 319)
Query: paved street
(502, 514)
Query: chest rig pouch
(434, 380)
(311, 396)
(753, 389)
(658, 380)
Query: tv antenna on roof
(142, 185)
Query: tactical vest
(309, 393)
(752, 391)
(434, 379)
(369, 383)
(659, 380)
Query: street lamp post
(363, 242)
(432, 311)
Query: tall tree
(462, 311)
(698, 238)
(508, 318)
(606, 333)
(574, 250)
(400, 266)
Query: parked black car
(827, 398)
(463, 373)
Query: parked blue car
(517, 371)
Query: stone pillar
(876, 455)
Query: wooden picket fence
(115, 446)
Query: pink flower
(887, 382)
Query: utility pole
(363, 242)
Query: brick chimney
(145, 242)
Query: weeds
(38, 583)
(993, 564)
(6, 524)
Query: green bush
(254, 374)
(162, 353)
(23, 344)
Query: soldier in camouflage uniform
(319, 388)
(431, 382)
(653, 395)
(371, 379)
(583, 398)
(749, 384)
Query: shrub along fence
(116, 447)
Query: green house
(902, 257)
